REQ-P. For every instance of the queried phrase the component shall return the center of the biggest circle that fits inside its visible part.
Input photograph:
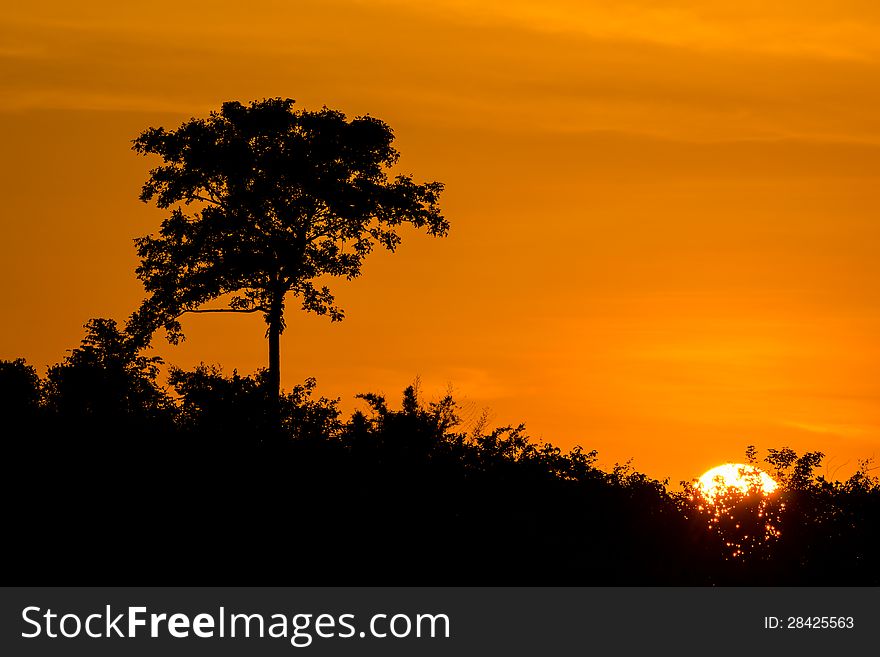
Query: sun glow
(735, 500)
(744, 479)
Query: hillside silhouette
(117, 478)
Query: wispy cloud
(780, 28)
(847, 430)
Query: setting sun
(738, 476)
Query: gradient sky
(664, 214)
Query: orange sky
(664, 213)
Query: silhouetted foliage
(21, 399)
(238, 411)
(267, 201)
(810, 530)
(20, 392)
(195, 474)
(228, 410)
(107, 385)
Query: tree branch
(257, 309)
(206, 200)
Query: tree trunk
(276, 312)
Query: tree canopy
(266, 201)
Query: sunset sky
(664, 214)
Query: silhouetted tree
(266, 201)
(108, 384)
(20, 392)
(21, 395)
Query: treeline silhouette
(117, 478)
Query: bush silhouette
(153, 481)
